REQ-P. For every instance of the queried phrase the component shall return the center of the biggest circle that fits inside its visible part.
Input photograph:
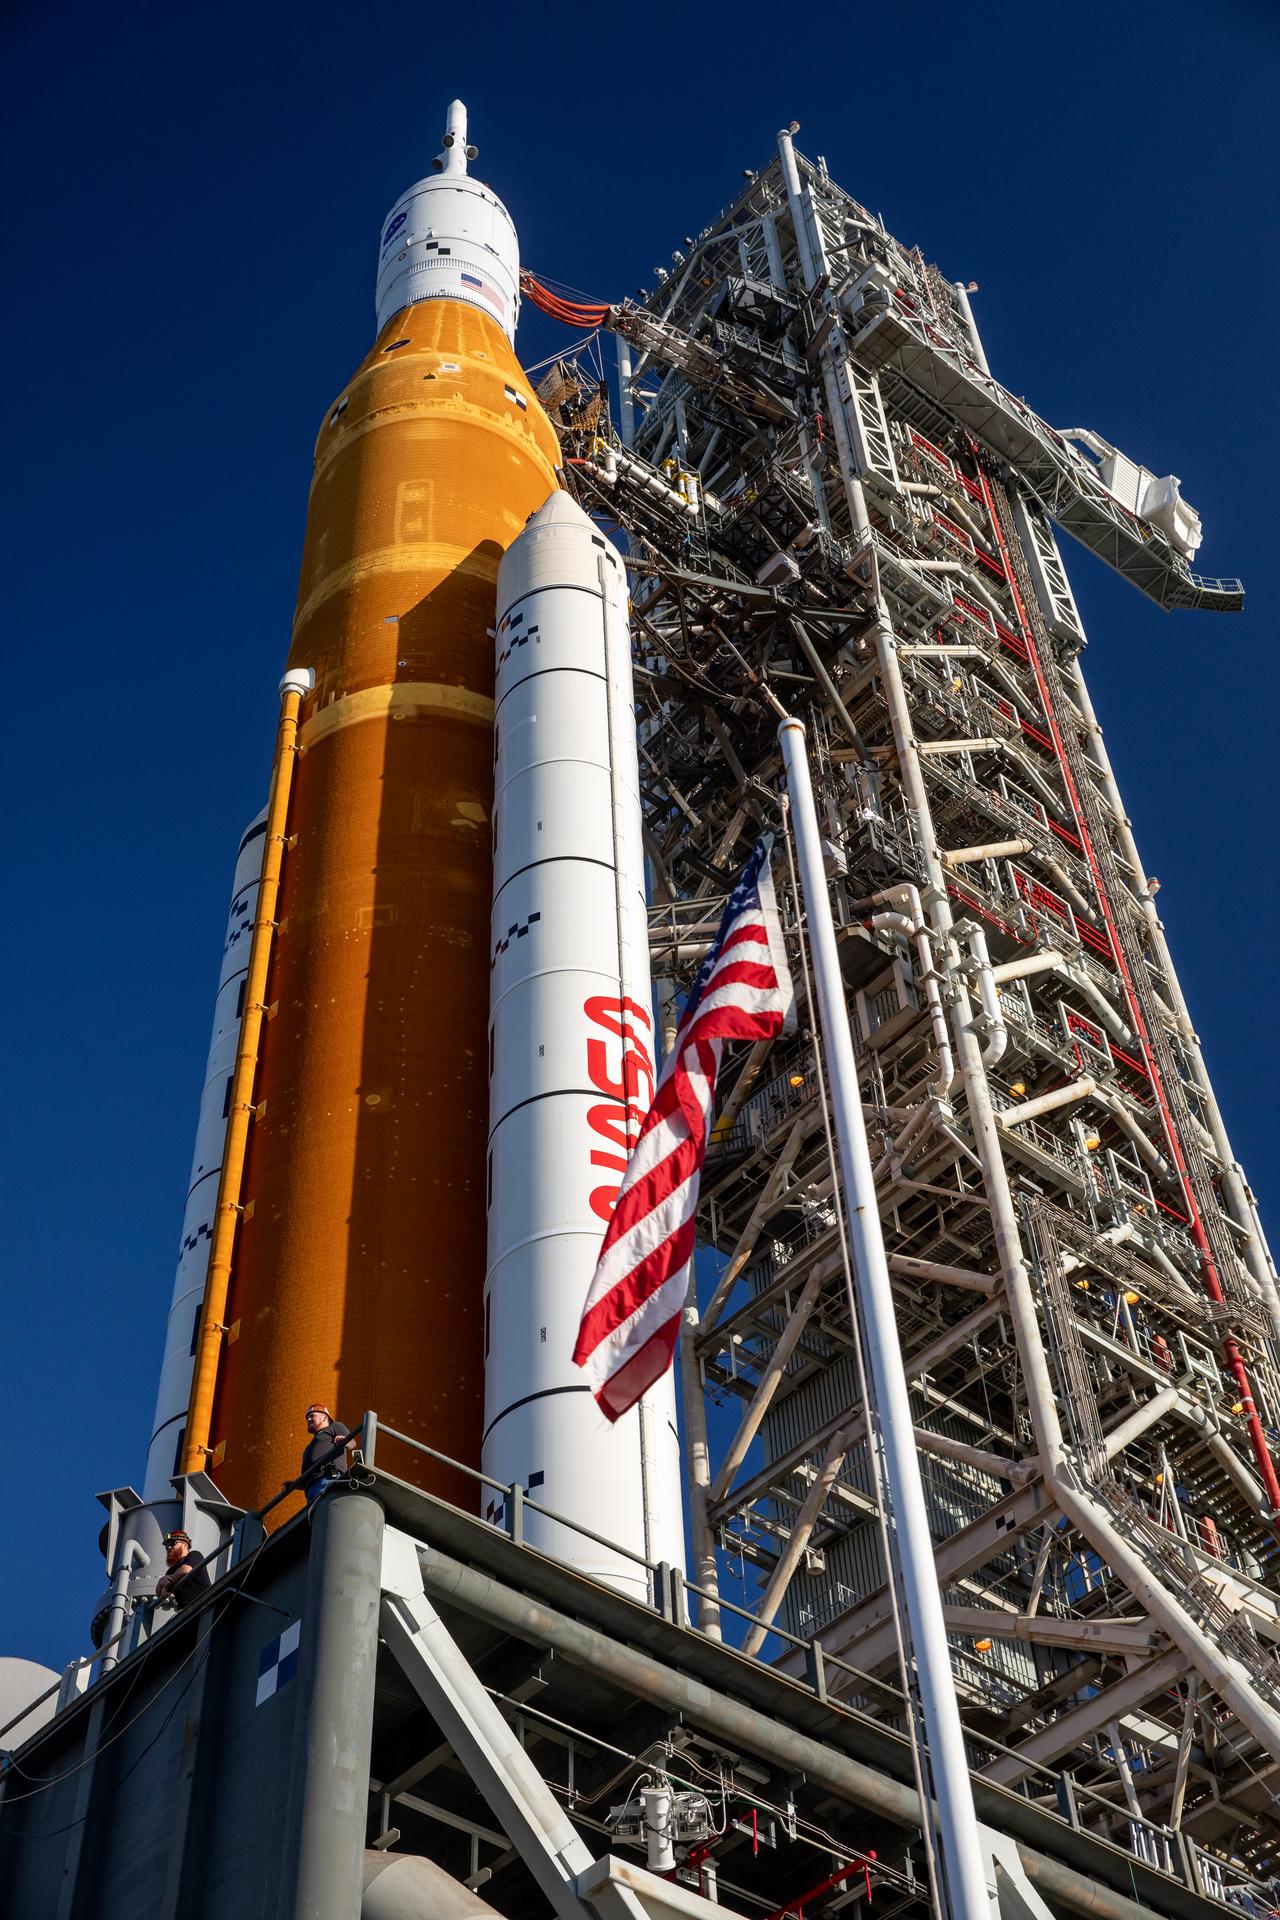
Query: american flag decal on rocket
(742, 992)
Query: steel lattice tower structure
(832, 505)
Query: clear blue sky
(196, 197)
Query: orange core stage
(360, 1258)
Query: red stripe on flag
(626, 1295)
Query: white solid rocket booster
(571, 1046)
(163, 1454)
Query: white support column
(962, 1864)
(626, 400)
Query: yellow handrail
(196, 1449)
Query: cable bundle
(571, 313)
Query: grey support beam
(1080, 1722)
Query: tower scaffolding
(830, 503)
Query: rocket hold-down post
(571, 1047)
(359, 1259)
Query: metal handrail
(669, 1588)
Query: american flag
(632, 1313)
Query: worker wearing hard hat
(187, 1576)
(326, 1434)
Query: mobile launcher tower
(479, 1675)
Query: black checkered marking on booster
(519, 639)
(517, 932)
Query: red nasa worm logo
(628, 1081)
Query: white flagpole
(961, 1854)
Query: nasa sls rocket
(351, 1140)
(360, 1242)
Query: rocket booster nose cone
(560, 509)
(559, 545)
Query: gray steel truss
(831, 506)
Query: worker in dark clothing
(187, 1576)
(326, 1433)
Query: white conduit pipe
(1048, 1102)
(1128, 1233)
(971, 583)
(960, 746)
(997, 1035)
(1136, 1423)
(957, 1821)
(798, 1539)
(1018, 1473)
(1011, 687)
(913, 1269)
(1125, 1120)
(903, 1140)
(912, 925)
(962, 296)
(1083, 907)
(955, 510)
(132, 1558)
(1051, 961)
(1223, 1452)
(615, 460)
(993, 850)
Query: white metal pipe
(997, 1035)
(812, 265)
(957, 1823)
(1137, 1422)
(697, 1464)
(1048, 1102)
(1120, 1113)
(903, 1140)
(1082, 906)
(132, 1559)
(984, 745)
(767, 1385)
(626, 398)
(991, 850)
(798, 1539)
(975, 338)
(1019, 1473)
(1051, 961)
(914, 925)
(913, 1269)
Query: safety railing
(833, 1681)
(839, 1683)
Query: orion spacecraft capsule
(571, 1045)
(362, 1109)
